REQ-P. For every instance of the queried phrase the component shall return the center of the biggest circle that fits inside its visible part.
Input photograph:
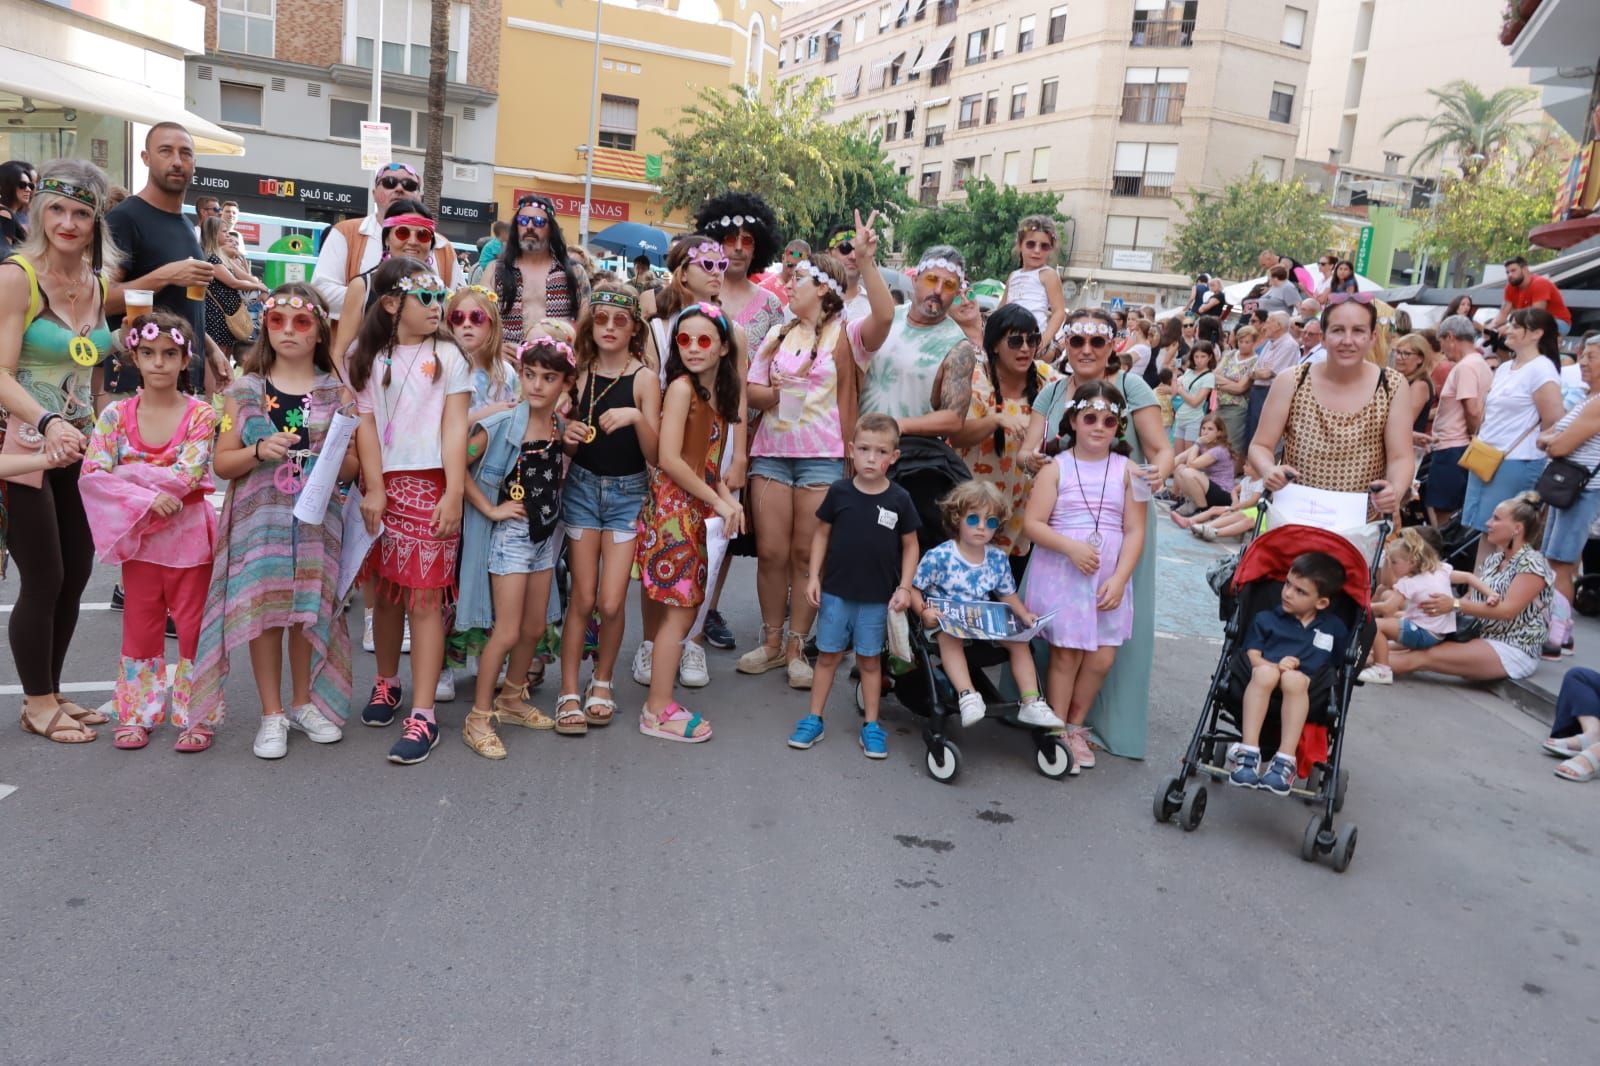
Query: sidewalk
(1536, 695)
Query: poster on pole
(375, 150)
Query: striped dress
(273, 571)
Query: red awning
(1565, 234)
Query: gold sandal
(512, 706)
(488, 744)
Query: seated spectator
(1236, 519)
(1575, 735)
(1204, 473)
(1525, 289)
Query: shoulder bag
(1483, 459)
(238, 320)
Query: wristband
(45, 420)
(256, 449)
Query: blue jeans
(1415, 637)
(1579, 696)
(842, 623)
(808, 472)
(1512, 477)
(611, 504)
(1252, 415)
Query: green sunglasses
(426, 297)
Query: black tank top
(610, 454)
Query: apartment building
(1116, 106)
(294, 77)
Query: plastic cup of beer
(138, 301)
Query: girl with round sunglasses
(1036, 285)
(275, 577)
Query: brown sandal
(55, 727)
(82, 715)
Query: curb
(1530, 699)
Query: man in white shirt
(1279, 353)
(355, 246)
(1311, 349)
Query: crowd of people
(523, 409)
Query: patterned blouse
(1336, 450)
(1529, 628)
(1001, 468)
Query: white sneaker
(272, 739)
(972, 708)
(445, 690)
(692, 666)
(367, 643)
(1377, 674)
(1038, 712)
(642, 661)
(313, 723)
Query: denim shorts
(843, 624)
(511, 552)
(1415, 637)
(798, 473)
(592, 501)
(1513, 476)
(1566, 529)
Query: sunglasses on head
(1091, 419)
(408, 184)
(1346, 297)
(536, 221)
(711, 266)
(739, 240)
(795, 254)
(990, 523)
(1078, 341)
(689, 340)
(426, 297)
(476, 316)
(606, 319)
(1018, 341)
(419, 234)
(298, 321)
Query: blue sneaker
(874, 743)
(807, 732)
(1280, 775)
(385, 700)
(1247, 774)
(420, 737)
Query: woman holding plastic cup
(805, 382)
(1118, 719)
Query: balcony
(928, 193)
(1141, 183)
(1145, 108)
(946, 13)
(1162, 33)
(1122, 257)
(933, 137)
(941, 75)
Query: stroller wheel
(1194, 807)
(1165, 805)
(1340, 785)
(861, 699)
(944, 762)
(1344, 848)
(1053, 759)
(1310, 846)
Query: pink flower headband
(707, 248)
(561, 347)
(298, 303)
(150, 331)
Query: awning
(935, 52)
(852, 81)
(27, 74)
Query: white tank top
(1025, 287)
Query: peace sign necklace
(594, 401)
(1094, 539)
(516, 491)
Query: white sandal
(607, 707)
(571, 723)
(1584, 766)
(1567, 747)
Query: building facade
(1117, 107)
(652, 58)
(84, 79)
(294, 77)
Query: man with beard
(535, 276)
(162, 254)
(355, 245)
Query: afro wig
(716, 220)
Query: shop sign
(475, 212)
(599, 210)
(349, 199)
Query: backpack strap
(35, 297)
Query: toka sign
(599, 210)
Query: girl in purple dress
(1087, 528)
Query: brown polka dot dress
(1336, 450)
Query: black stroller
(1257, 586)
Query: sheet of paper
(1303, 506)
(324, 478)
(356, 544)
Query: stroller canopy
(1270, 555)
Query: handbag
(238, 320)
(21, 438)
(1483, 459)
(1562, 481)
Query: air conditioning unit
(463, 172)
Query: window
(1009, 168)
(977, 46)
(1282, 107)
(1134, 243)
(941, 69)
(895, 66)
(1143, 169)
(1271, 168)
(813, 46)
(1047, 95)
(1041, 165)
(861, 28)
(1163, 23)
(1019, 101)
(345, 118)
(933, 137)
(928, 191)
(1058, 24)
(1154, 94)
(406, 28)
(991, 107)
(1294, 27)
(891, 130)
(911, 121)
(961, 172)
(241, 104)
(999, 40)
(968, 116)
(619, 123)
(885, 17)
(1025, 33)
(947, 12)
(245, 26)
(983, 166)
(399, 120)
(831, 42)
(922, 10)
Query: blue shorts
(798, 473)
(591, 501)
(842, 624)
(511, 552)
(1446, 487)
(1567, 528)
(1415, 637)
(1514, 476)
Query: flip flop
(130, 737)
(1584, 766)
(55, 727)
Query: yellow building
(654, 55)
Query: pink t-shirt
(817, 433)
(1468, 380)
(410, 412)
(1418, 587)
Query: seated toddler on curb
(1287, 646)
(969, 567)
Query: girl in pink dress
(1087, 529)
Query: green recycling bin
(276, 272)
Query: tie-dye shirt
(817, 433)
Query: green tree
(982, 226)
(1486, 219)
(811, 171)
(1472, 127)
(1225, 232)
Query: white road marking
(6, 790)
(83, 686)
(6, 608)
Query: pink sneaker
(1078, 744)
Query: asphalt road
(616, 899)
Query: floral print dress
(1002, 468)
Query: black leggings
(54, 554)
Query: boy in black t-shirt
(863, 557)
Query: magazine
(985, 620)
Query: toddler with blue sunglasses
(970, 567)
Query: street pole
(593, 133)
(377, 68)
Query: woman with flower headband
(408, 231)
(1120, 713)
(807, 382)
(146, 475)
(275, 579)
(52, 333)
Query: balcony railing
(1124, 257)
(1141, 183)
(933, 137)
(941, 75)
(968, 123)
(1162, 33)
(1149, 109)
(928, 195)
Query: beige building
(1114, 106)
(1375, 61)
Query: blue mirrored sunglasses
(990, 522)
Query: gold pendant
(588, 438)
(516, 492)
(84, 351)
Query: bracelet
(44, 421)
(256, 449)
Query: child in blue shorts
(860, 575)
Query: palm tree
(438, 58)
(1471, 126)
